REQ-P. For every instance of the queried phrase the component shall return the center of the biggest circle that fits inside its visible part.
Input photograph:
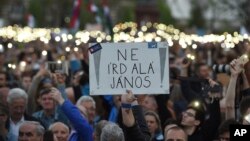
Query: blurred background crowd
(209, 70)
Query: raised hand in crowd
(57, 96)
(236, 67)
(82, 130)
(42, 72)
(133, 119)
(127, 113)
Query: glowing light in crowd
(59, 61)
(13, 66)
(67, 49)
(9, 45)
(75, 49)
(245, 56)
(44, 52)
(22, 63)
(1, 48)
(192, 57)
(196, 104)
(123, 32)
(194, 46)
(70, 37)
(57, 39)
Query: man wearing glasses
(192, 120)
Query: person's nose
(19, 110)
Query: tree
(165, 13)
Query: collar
(53, 115)
(20, 121)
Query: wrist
(126, 105)
(234, 75)
(61, 101)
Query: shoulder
(35, 116)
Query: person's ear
(197, 122)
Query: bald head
(60, 130)
(175, 133)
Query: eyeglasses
(188, 114)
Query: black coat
(139, 131)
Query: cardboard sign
(140, 67)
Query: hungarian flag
(74, 21)
(92, 8)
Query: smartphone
(57, 67)
(185, 61)
(243, 59)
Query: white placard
(140, 67)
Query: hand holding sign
(140, 67)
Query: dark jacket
(194, 90)
(196, 136)
(139, 131)
(207, 132)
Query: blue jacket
(82, 129)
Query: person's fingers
(129, 91)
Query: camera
(216, 89)
(223, 68)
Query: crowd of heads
(28, 112)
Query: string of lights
(123, 32)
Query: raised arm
(32, 92)
(79, 123)
(236, 69)
(134, 130)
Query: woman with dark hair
(4, 129)
(154, 125)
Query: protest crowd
(208, 93)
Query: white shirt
(14, 128)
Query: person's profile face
(91, 110)
(152, 123)
(188, 117)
